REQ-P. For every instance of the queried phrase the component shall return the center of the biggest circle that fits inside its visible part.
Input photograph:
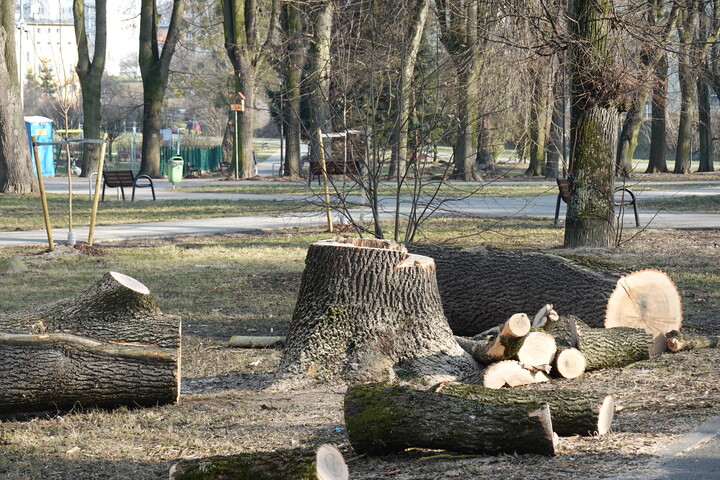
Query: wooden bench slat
(125, 178)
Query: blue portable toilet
(41, 128)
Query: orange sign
(237, 107)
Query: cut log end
(570, 363)
(607, 412)
(131, 283)
(537, 350)
(646, 300)
(517, 326)
(510, 373)
(331, 464)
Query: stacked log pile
(107, 346)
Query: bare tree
(16, 173)
(154, 69)
(90, 74)
(246, 53)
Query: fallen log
(298, 464)
(573, 412)
(537, 350)
(569, 363)
(647, 299)
(510, 373)
(678, 342)
(603, 347)
(381, 418)
(368, 310)
(107, 346)
(504, 345)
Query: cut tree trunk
(503, 346)
(382, 418)
(604, 347)
(572, 412)
(107, 346)
(482, 287)
(510, 373)
(298, 464)
(569, 363)
(367, 310)
(678, 342)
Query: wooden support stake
(43, 197)
(96, 198)
(325, 180)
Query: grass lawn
(247, 284)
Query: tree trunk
(657, 162)
(366, 311)
(573, 412)
(604, 347)
(16, 172)
(538, 120)
(154, 70)
(687, 80)
(647, 299)
(557, 131)
(706, 163)
(298, 464)
(629, 135)
(382, 419)
(407, 71)
(294, 62)
(319, 75)
(593, 121)
(90, 76)
(107, 346)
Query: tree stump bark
(298, 464)
(382, 418)
(481, 287)
(107, 346)
(367, 310)
(573, 412)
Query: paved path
(539, 206)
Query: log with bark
(573, 412)
(603, 347)
(481, 287)
(107, 346)
(498, 344)
(326, 463)
(678, 342)
(368, 310)
(381, 418)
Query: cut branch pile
(107, 346)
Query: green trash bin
(175, 170)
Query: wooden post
(43, 198)
(71, 236)
(321, 148)
(96, 198)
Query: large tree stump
(481, 287)
(107, 346)
(573, 412)
(367, 310)
(298, 464)
(382, 418)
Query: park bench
(125, 178)
(624, 197)
(334, 168)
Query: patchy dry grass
(241, 283)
